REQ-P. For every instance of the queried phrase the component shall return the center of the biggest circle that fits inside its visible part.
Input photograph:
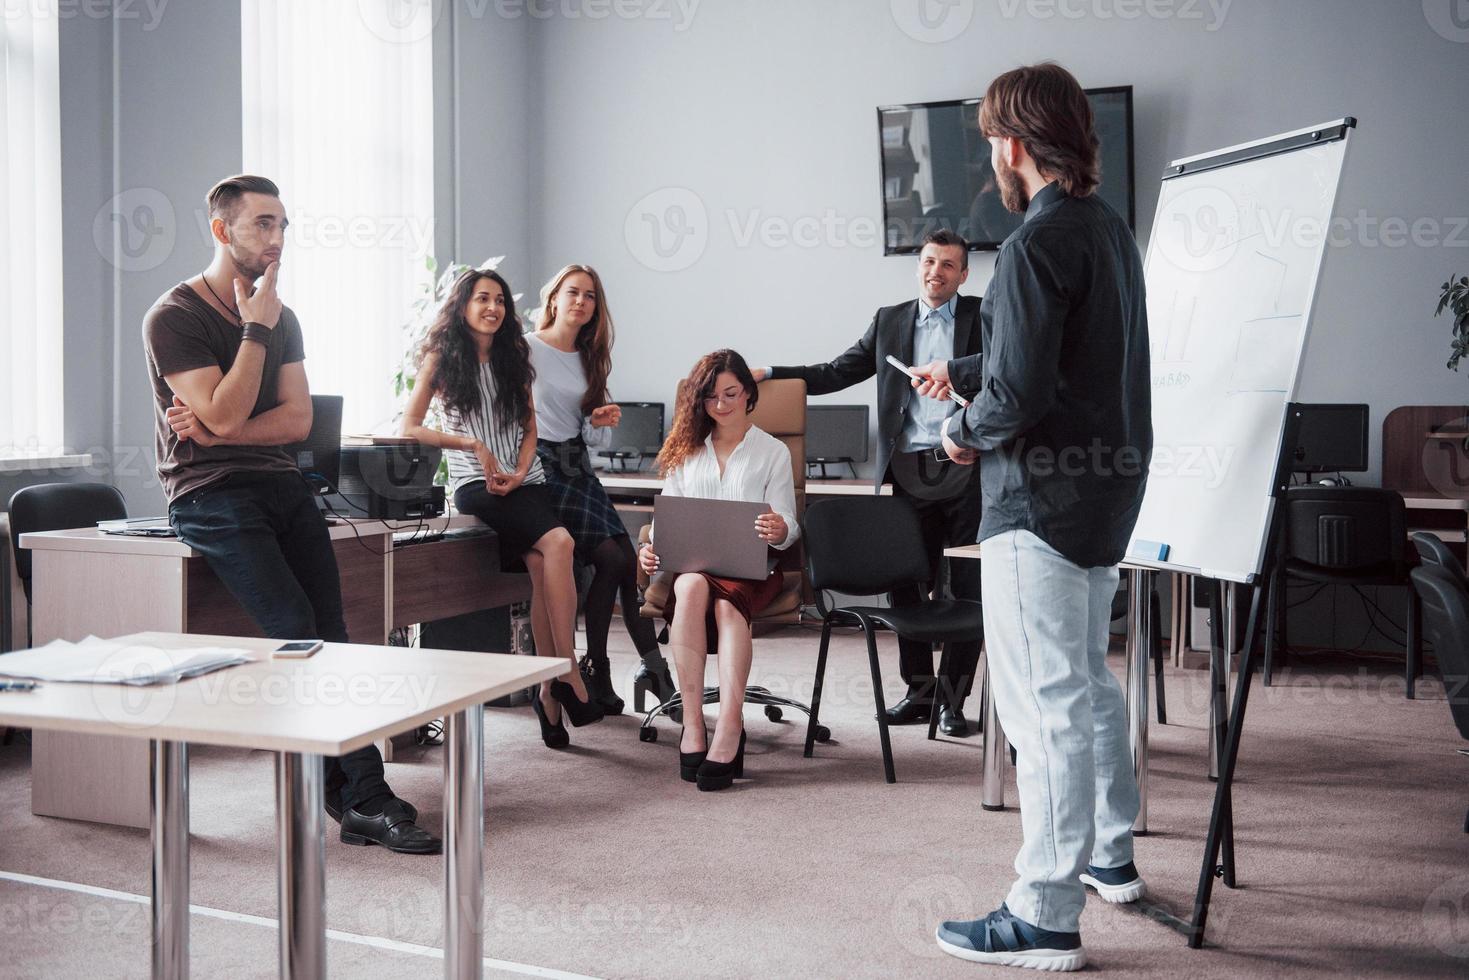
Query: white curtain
(338, 111)
(30, 231)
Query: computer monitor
(318, 456)
(639, 435)
(1330, 439)
(836, 433)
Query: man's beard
(250, 267)
(1012, 189)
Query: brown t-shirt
(183, 332)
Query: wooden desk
(86, 582)
(342, 699)
(648, 485)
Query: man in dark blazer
(909, 430)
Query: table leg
(996, 747)
(464, 838)
(1139, 649)
(170, 837)
(300, 780)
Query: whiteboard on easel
(1233, 262)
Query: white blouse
(758, 471)
(560, 385)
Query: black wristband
(257, 332)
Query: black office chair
(865, 546)
(1341, 536)
(1446, 620)
(57, 507)
(1432, 551)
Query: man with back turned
(1061, 421)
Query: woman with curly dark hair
(476, 362)
(571, 350)
(714, 451)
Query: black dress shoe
(908, 711)
(580, 712)
(721, 775)
(334, 807)
(951, 722)
(659, 684)
(555, 736)
(393, 829)
(689, 762)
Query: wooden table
(343, 698)
(86, 582)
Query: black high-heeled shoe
(689, 762)
(555, 736)
(580, 712)
(721, 775)
(597, 675)
(657, 682)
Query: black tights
(615, 576)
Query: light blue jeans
(1045, 625)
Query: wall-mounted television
(936, 170)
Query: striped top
(504, 440)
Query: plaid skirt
(577, 496)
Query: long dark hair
(1045, 108)
(594, 339)
(691, 423)
(456, 379)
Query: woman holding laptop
(476, 362)
(714, 451)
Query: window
(30, 231)
(338, 111)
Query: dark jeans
(263, 536)
(946, 523)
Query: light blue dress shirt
(933, 340)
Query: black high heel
(580, 712)
(689, 763)
(555, 736)
(721, 775)
(597, 674)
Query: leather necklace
(217, 298)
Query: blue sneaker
(1115, 885)
(1001, 939)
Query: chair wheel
(647, 734)
(773, 713)
(823, 734)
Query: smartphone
(297, 649)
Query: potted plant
(1455, 298)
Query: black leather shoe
(393, 829)
(908, 711)
(334, 807)
(597, 674)
(555, 736)
(580, 712)
(951, 722)
(659, 684)
(689, 762)
(721, 775)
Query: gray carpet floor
(600, 862)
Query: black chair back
(1433, 551)
(864, 545)
(1347, 529)
(57, 507)
(1446, 621)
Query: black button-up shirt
(1063, 411)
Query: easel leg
(1221, 819)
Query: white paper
(95, 661)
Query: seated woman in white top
(714, 451)
(475, 361)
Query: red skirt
(746, 595)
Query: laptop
(696, 534)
